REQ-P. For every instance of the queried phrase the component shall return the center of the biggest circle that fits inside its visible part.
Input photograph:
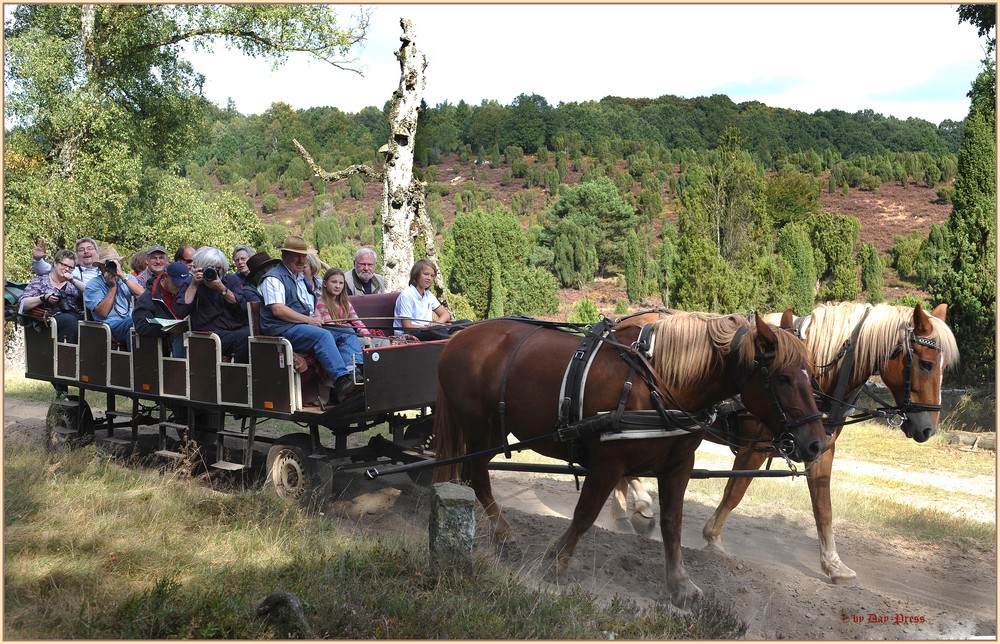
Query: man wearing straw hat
(288, 312)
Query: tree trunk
(404, 215)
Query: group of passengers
(312, 312)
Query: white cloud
(839, 56)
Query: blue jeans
(347, 343)
(321, 343)
(121, 329)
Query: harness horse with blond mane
(849, 343)
(509, 376)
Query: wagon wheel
(420, 434)
(67, 414)
(293, 475)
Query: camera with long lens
(209, 274)
(110, 266)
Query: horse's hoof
(509, 550)
(642, 524)
(645, 509)
(687, 598)
(846, 580)
(714, 546)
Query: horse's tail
(448, 441)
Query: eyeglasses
(65, 265)
(188, 261)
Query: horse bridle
(784, 442)
(908, 345)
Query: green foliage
(635, 267)
(598, 207)
(269, 203)
(791, 197)
(833, 239)
(621, 307)
(665, 259)
(702, 280)
(932, 258)
(968, 281)
(574, 251)
(532, 291)
(872, 272)
(905, 250)
(479, 242)
(795, 249)
(584, 312)
(356, 183)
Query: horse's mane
(884, 328)
(690, 347)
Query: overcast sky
(898, 60)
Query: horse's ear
(764, 336)
(787, 320)
(940, 311)
(921, 325)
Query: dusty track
(770, 576)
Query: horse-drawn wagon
(193, 396)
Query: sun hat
(156, 249)
(108, 252)
(259, 263)
(295, 244)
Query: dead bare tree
(404, 214)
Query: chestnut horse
(907, 348)
(505, 376)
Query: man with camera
(213, 301)
(109, 298)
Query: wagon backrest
(376, 311)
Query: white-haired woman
(214, 301)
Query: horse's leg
(819, 489)
(643, 502)
(681, 590)
(736, 487)
(596, 488)
(619, 500)
(479, 480)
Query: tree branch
(368, 171)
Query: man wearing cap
(156, 261)
(109, 298)
(288, 311)
(158, 301)
(363, 280)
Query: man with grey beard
(363, 280)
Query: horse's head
(779, 390)
(915, 368)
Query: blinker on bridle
(912, 339)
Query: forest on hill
(696, 203)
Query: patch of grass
(97, 550)
(15, 384)
(880, 444)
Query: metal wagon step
(228, 466)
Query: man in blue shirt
(108, 298)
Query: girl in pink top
(334, 307)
